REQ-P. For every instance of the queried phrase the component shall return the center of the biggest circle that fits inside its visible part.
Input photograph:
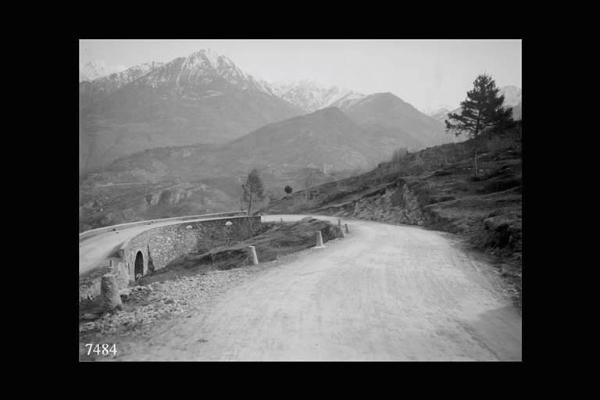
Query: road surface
(385, 293)
(93, 250)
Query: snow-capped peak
(204, 58)
(311, 95)
(201, 68)
(205, 64)
(207, 61)
(96, 69)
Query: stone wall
(159, 246)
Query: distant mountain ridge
(99, 88)
(327, 143)
(326, 139)
(201, 178)
(201, 98)
(311, 96)
(391, 116)
(161, 139)
(440, 114)
(95, 69)
(206, 98)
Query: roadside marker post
(109, 290)
(253, 255)
(319, 240)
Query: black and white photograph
(324, 200)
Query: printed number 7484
(105, 350)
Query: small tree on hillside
(253, 190)
(481, 110)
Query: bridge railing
(92, 232)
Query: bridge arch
(138, 265)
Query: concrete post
(253, 255)
(109, 290)
(347, 231)
(319, 240)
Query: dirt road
(385, 292)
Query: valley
(167, 139)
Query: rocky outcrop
(396, 204)
(166, 197)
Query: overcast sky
(426, 73)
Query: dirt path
(385, 292)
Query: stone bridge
(156, 247)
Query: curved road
(385, 292)
(95, 249)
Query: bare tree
(253, 190)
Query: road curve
(385, 292)
(93, 250)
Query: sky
(429, 74)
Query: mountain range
(201, 98)
(99, 88)
(319, 147)
(162, 139)
(325, 140)
(206, 98)
(311, 96)
(95, 69)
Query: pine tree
(481, 110)
(253, 190)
